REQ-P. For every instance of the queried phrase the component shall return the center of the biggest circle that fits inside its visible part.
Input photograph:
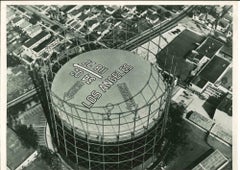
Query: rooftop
(82, 17)
(226, 105)
(212, 162)
(211, 72)
(43, 44)
(92, 22)
(226, 80)
(16, 19)
(209, 47)
(16, 152)
(35, 39)
(66, 8)
(227, 50)
(179, 50)
(25, 24)
(223, 23)
(228, 17)
(33, 29)
(153, 17)
(200, 120)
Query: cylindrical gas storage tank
(108, 107)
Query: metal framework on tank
(134, 152)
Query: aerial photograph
(119, 87)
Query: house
(18, 156)
(92, 24)
(130, 8)
(228, 17)
(83, 17)
(222, 25)
(111, 9)
(104, 28)
(152, 18)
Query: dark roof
(91, 22)
(200, 81)
(212, 162)
(211, 72)
(179, 50)
(82, 17)
(110, 8)
(130, 6)
(209, 47)
(153, 17)
(226, 80)
(35, 39)
(227, 17)
(43, 44)
(223, 23)
(226, 105)
(227, 50)
(16, 152)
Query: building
(92, 24)
(153, 18)
(222, 25)
(18, 51)
(34, 30)
(223, 113)
(215, 161)
(25, 25)
(206, 80)
(111, 9)
(16, 21)
(176, 52)
(18, 156)
(116, 119)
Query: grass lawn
(176, 52)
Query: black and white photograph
(119, 86)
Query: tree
(34, 19)
(168, 14)
(27, 135)
(50, 158)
